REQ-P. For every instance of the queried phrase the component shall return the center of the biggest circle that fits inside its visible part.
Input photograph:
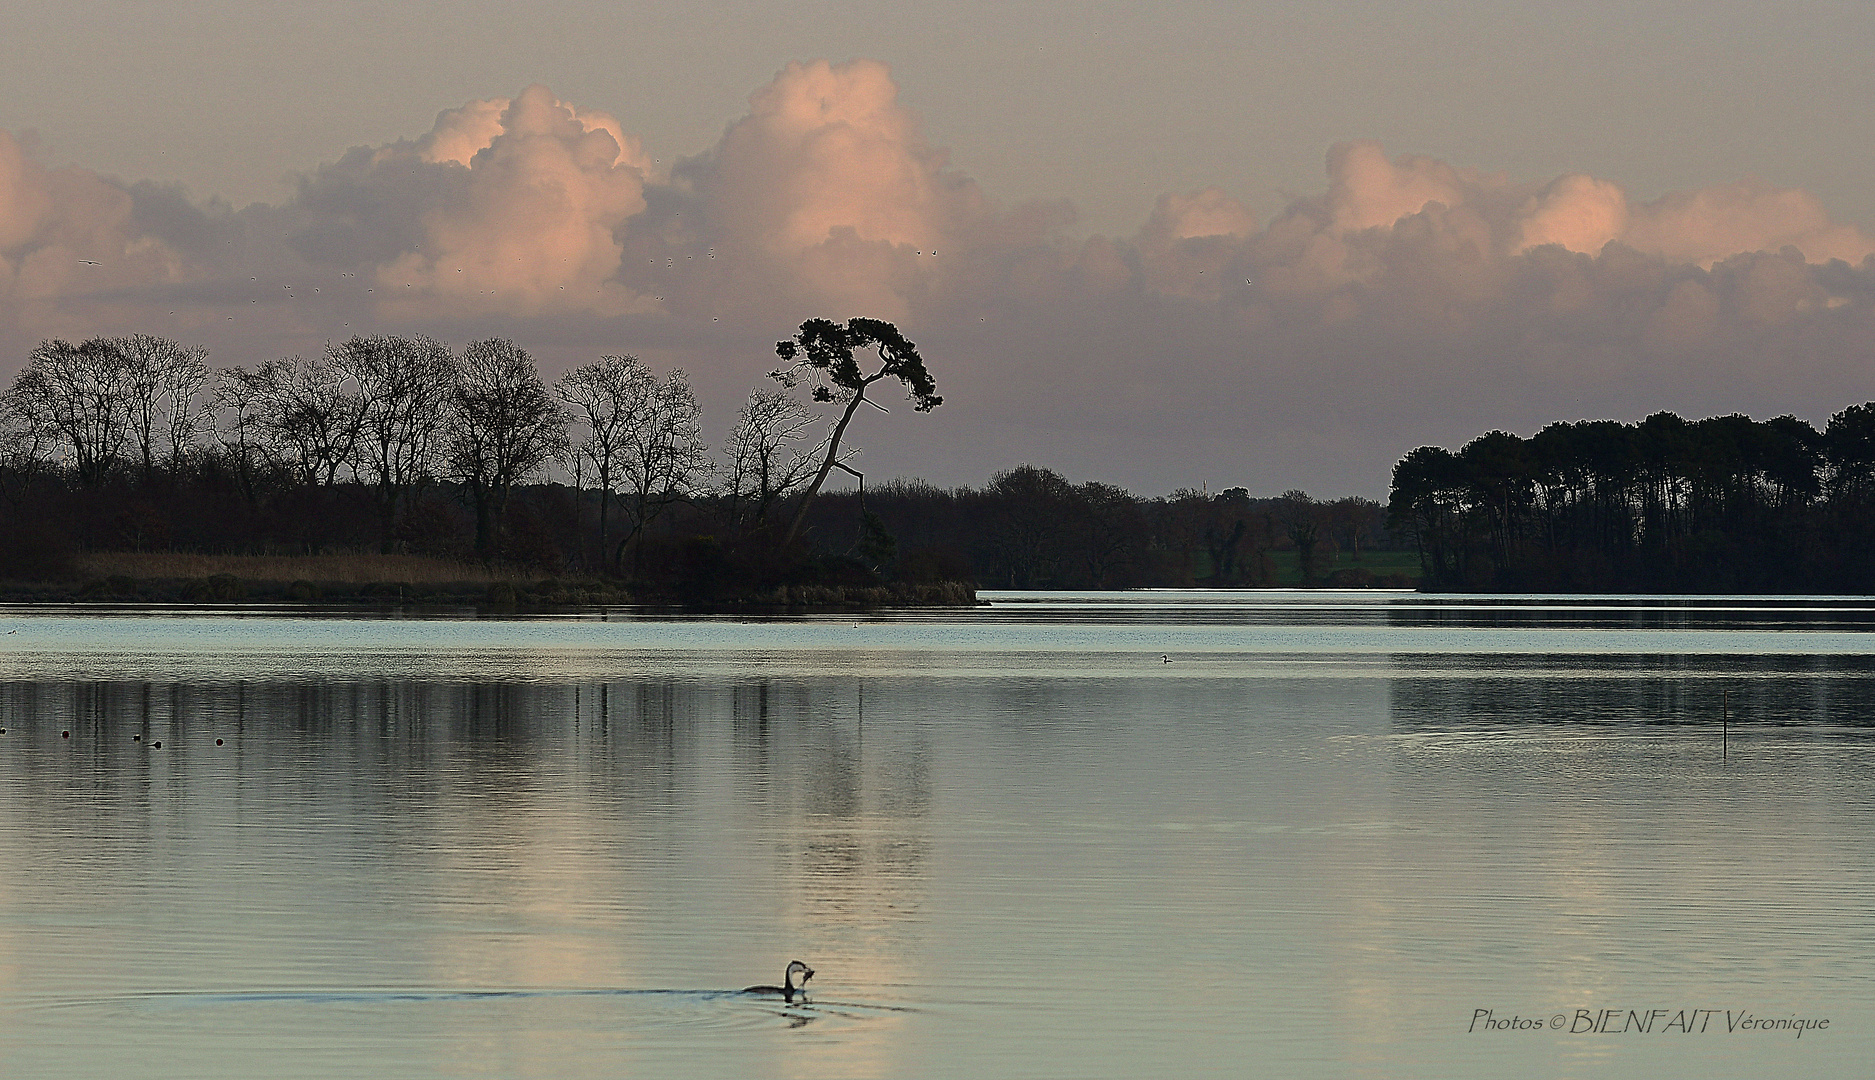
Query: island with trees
(396, 469)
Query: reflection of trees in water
(838, 790)
(1627, 613)
(633, 734)
(835, 760)
(828, 784)
(372, 751)
(1491, 690)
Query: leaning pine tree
(823, 350)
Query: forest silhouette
(1726, 504)
(402, 447)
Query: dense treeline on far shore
(1669, 505)
(129, 459)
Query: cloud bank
(1408, 301)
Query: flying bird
(90, 262)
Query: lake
(1129, 834)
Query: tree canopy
(1723, 504)
(823, 350)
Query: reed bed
(352, 568)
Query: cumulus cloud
(506, 203)
(829, 184)
(1408, 300)
(827, 150)
(1577, 212)
(1712, 223)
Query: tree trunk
(605, 502)
(833, 453)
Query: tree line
(1723, 504)
(1031, 528)
(401, 443)
(391, 417)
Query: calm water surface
(1013, 841)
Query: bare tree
(189, 415)
(506, 426)
(665, 460)
(162, 381)
(823, 350)
(237, 394)
(74, 395)
(642, 438)
(609, 399)
(305, 416)
(405, 385)
(23, 452)
(766, 459)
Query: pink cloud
(512, 204)
(1408, 293)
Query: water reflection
(1450, 691)
(1635, 613)
(1011, 843)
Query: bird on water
(787, 990)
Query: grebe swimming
(787, 989)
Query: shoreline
(542, 595)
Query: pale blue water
(1013, 841)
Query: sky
(1192, 244)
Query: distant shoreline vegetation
(393, 470)
(1726, 504)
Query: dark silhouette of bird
(787, 990)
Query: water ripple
(635, 1009)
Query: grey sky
(1105, 104)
